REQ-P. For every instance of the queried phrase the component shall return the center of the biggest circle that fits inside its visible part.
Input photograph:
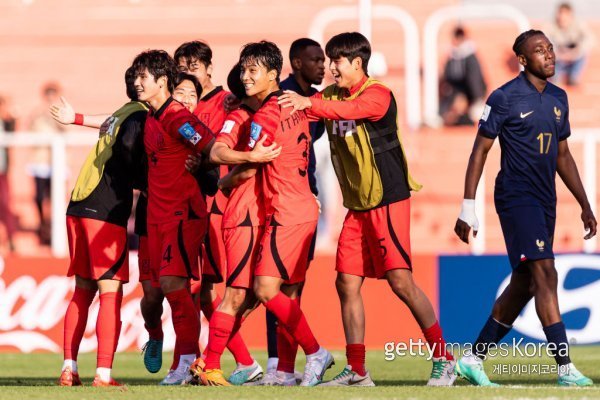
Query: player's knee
(233, 300)
(263, 292)
(346, 288)
(404, 288)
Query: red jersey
(211, 112)
(287, 196)
(243, 204)
(170, 135)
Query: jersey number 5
(544, 137)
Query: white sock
(566, 369)
(272, 364)
(104, 374)
(472, 359)
(185, 360)
(70, 364)
(315, 355)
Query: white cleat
(316, 365)
(276, 378)
(177, 376)
(350, 378)
(442, 372)
(244, 374)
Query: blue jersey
(529, 125)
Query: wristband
(78, 119)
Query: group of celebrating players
(228, 193)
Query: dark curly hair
(159, 63)
(265, 53)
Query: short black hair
(299, 45)
(264, 52)
(234, 82)
(349, 45)
(159, 63)
(459, 32)
(523, 38)
(194, 50)
(130, 76)
(182, 76)
(565, 6)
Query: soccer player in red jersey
(96, 225)
(195, 58)
(291, 214)
(361, 119)
(176, 208)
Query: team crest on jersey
(344, 128)
(255, 130)
(189, 133)
(558, 113)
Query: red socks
(185, 320)
(291, 316)
(436, 341)
(355, 353)
(287, 348)
(109, 320)
(76, 320)
(220, 328)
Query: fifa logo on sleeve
(540, 244)
(558, 113)
(344, 128)
(255, 130)
(189, 133)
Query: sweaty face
(255, 77)
(146, 85)
(538, 57)
(196, 68)
(313, 64)
(343, 72)
(186, 94)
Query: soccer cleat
(574, 378)
(442, 372)
(213, 377)
(152, 352)
(246, 374)
(275, 378)
(316, 365)
(100, 383)
(177, 376)
(350, 378)
(69, 378)
(473, 372)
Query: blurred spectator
(462, 87)
(572, 41)
(40, 168)
(7, 126)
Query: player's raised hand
(289, 98)
(589, 223)
(264, 154)
(466, 220)
(63, 113)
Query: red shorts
(174, 249)
(283, 252)
(375, 241)
(241, 245)
(144, 259)
(98, 249)
(214, 260)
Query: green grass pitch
(33, 376)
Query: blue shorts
(528, 233)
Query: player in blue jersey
(530, 116)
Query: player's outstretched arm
(223, 154)
(467, 218)
(65, 114)
(567, 170)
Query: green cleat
(246, 374)
(573, 377)
(152, 351)
(473, 372)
